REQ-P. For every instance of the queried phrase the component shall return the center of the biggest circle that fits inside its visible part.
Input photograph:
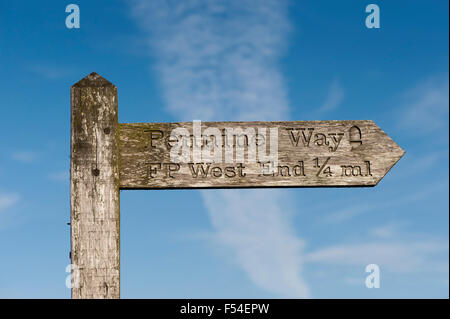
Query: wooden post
(94, 193)
(310, 154)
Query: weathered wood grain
(338, 153)
(94, 174)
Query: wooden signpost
(107, 156)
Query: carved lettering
(336, 139)
(356, 170)
(332, 140)
(205, 170)
(171, 168)
(159, 155)
(153, 170)
(299, 170)
(154, 135)
(295, 139)
(195, 172)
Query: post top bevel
(93, 80)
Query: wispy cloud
(347, 212)
(421, 163)
(426, 106)
(24, 156)
(334, 97)
(385, 231)
(62, 176)
(51, 72)
(7, 200)
(218, 60)
(401, 257)
(255, 225)
(351, 211)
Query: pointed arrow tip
(398, 154)
(93, 80)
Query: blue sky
(232, 60)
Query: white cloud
(50, 71)
(401, 257)
(24, 156)
(419, 164)
(384, 231)
(62, 176)
(427, 106)
(255, 225)
(352, 211)
(219, 61)
(8, 200)
(348, 212)
(334, 97)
